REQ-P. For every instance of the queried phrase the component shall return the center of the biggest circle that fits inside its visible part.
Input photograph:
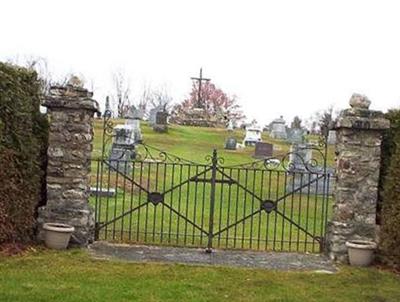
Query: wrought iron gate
(159, 198)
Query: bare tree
(161, 98)
(122, 92)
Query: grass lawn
(72, 276)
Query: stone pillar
(358, 150)
(70, 110)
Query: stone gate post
(358, 151)
(70, 110)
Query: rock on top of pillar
(72, 96)
(359, 116)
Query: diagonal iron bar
(239, 185)
(125, 176)
(298, 226)
(184, 217)
(121, 216)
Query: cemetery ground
(152, 224)
(39, 274)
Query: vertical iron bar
(229, 209)
(268, 215)
(244, 207)
(155, 208)
(252, 208)
(108, 200)
(115, 200)
(221, 201)
(138, 229)
(131, 201)
(283, 239)
(237, 207)
(179, 203)
(123, 201)
(162, 209)
(212, 201)
(259, 215)
(276, 215)
(187, 203)
(147, 204)
(171, 201)
(96, 209)
(299, 211)
(307, 210)
(195, 206)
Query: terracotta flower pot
(57, 235)
(361, 253)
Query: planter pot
(361, 253)
(57, 235)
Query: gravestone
(230, 126)
(133, 118)
(161, 123)
(263, 150)
(332, 137)
(122, 149)
(296, 136)
(304, 171)
(253, 135)
(231, 144)
(278, 129)
(153, 114)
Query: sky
(278, 57)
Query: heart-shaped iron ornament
(155, 198)
(268, 206)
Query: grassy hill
(195, 143)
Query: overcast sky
(279, 57)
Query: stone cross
(200, 79)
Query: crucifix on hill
(200, 79)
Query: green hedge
(23, 139)
(390, 191)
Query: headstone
(230, 126)
(263, 150)
(304, 172)
(278, 129)
(153, 114)
(332, 137)
(134, 113)
(161, 124)
(253, 135)
(122, 149)
(296, 136)
(231, 143)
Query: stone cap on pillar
(359, 116)
(72, 96)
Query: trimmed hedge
(390, 191)
(23, 139)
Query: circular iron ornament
(155, 198)
(268, 206)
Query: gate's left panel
(150, 201)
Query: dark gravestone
(231, 143)
(161, 122)
(263, 150)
